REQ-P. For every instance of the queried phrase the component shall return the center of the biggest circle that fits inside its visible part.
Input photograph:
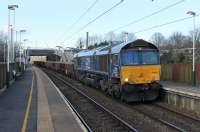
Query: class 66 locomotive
(130, 71)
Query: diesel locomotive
(130, 71)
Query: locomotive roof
(114, 48)
(88, 52)
(85, 53)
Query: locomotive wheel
(116, 91)
(122, 97)
(103, 86)
(117, 94)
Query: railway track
(163, 106)
(171, 118)
(171, 126)
(91, 110)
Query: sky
(47, 22)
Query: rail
(124, 123)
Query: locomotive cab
(140, 66)
(139, 71)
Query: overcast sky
(47, 21)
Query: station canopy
(40, 52)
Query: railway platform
(33, 103)
(182, 88)
(182, 96)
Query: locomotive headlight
(155, 79)
(126, 79)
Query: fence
(179, 73)
(3, 72)
(2, 75)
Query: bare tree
(131, 37)
(197, 36)
(110, 36)
(95, 39)
(3, 47)
(80, 43)
(158, 39)
(177, 39)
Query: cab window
(130, 58)
(150, 57)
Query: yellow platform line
(25, 122)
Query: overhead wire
(96, 18)
(164, 24)
(149, 15)
(79, 18)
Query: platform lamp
(25, 55)
(10, 8)
(193, 14)
(20, 60)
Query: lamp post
(10, 8)
(12, 28)
(193, 14)
(25, 55)
(16, 33)
(20, 32)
